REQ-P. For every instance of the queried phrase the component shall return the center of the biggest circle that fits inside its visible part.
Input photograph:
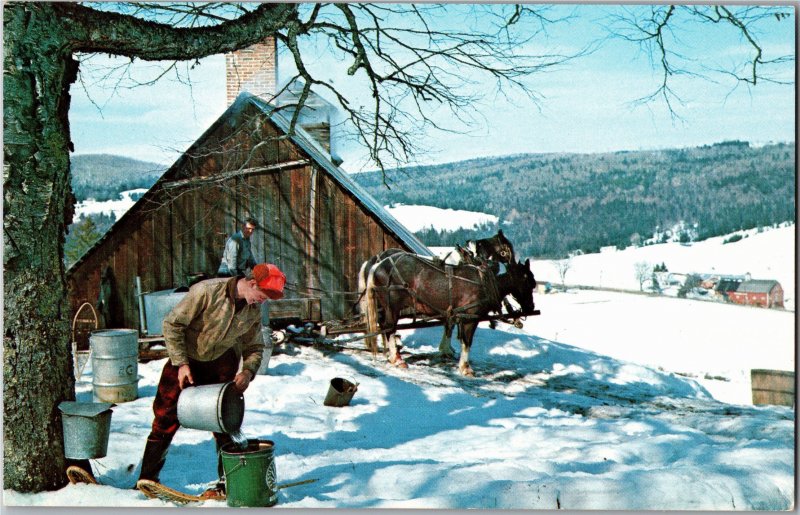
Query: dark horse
(495, 248)
(456, 294)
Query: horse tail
(362, 287)
(371, 311)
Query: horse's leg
(445, 350)
(394, 353)
(393, 339)
(466, 331)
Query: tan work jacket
(204, 324)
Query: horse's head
(498, 248)
(522, 284)
(468, 258)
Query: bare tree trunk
(39, 40)
(37, 368)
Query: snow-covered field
(116, 207)
(768, 253)
(417, 218)
(605, 401)
(544, 425)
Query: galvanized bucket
(86, 426)
(340, 392)
(212, 407)
(250, 478)
(115, 366)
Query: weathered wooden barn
(316, 223)
(766, 293)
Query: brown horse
(457, 295)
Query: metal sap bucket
(212, 407)
(340, 392)
(250, 477)
(157, 306)
(86, 426)
(115, 365)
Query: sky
(586, 105)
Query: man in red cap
(207, 334)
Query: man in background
(237, 257)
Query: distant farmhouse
(766, 293)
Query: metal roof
(322, 158)
(757, 286)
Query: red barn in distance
(766, 293)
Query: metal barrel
(86, 427)
(211, 407)
(115, 366)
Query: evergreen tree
(80, 239)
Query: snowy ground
(545, 425)
(605, 401)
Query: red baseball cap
(270, 279)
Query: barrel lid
(114, 332)
(84, 409)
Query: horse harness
(487, 282)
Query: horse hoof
(398, 362)
(467, 372)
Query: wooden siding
(311, 227)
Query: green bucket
(250, 478)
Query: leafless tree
(404, 60)
(399, 52)
(642, 271)
(563, 266)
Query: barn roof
(302, 139)
(757, 286)
(322, 158)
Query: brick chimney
(253, 69)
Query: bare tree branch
(655, 35)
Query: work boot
(153, 459)
(216, 492)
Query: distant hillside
(551, 204)
(103, 177)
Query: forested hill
(552, 204)
(103, 176)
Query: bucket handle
(242, 463)
(353, 382)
